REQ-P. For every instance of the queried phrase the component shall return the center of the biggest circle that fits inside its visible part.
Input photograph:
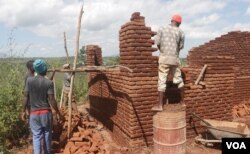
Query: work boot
(159, 106)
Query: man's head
(40, 67)
(176, 20)
(29, 66)
(66, 66)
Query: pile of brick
(86, 137)
(59, 134)
(240, 110)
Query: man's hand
(53, 103)
(23, 116)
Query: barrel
(170, 132)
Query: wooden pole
(201, 74)
(54, 81)
(93, 69)
(65, 47)
(61, 100)
(67, 55)
(74, 67)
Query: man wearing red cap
(169, 40)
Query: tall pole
(74, 67)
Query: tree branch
(65, 46)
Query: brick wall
(123, 100)
(94, 57)
(226, 78)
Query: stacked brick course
(136, 53)
(226, 78)
(123, 100)
(94, 57)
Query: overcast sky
(38, 25)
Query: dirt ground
(195, 148)
(192, 146)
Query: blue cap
(39, 66)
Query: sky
(31, 28)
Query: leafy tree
(82, 56)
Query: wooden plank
(93, 69)
(201, 74)
(61, 100)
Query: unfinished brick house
(122, 100)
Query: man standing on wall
(38, 91)
(169, 40)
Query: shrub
(11, 87)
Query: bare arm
(53, 103)
(181, 44)
(158, 39)
(25, 107)
(159, 47)
(25, 102)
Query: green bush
(11, 87)
(81, 87)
